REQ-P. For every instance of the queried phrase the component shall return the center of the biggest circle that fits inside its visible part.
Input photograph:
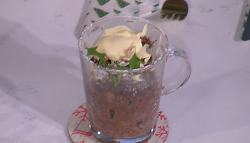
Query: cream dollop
(116, 43)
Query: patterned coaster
(80, 132)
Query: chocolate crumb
(94, 60)
(146, 40)
(112, 114)
(139, 122)
(108, 62)
(129, 104)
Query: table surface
(41, 82)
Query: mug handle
(177, 71)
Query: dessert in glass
(123, 60)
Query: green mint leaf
(119, 75)
(134, 62)
(116, 79)
(102, 63)
(101, 56)
(110, 66)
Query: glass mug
(128, 112)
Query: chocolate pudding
(122, 105)
(124, 112)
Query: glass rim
(147, 67)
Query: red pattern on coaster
(80, 132)
(162, 116)
(84, 111)
(162, 132)
(80, 142)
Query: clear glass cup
(128, 112)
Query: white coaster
(80, 132)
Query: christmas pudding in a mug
(123, 61)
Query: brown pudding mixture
(121, 112)
(127, 111)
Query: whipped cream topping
(120, 41)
